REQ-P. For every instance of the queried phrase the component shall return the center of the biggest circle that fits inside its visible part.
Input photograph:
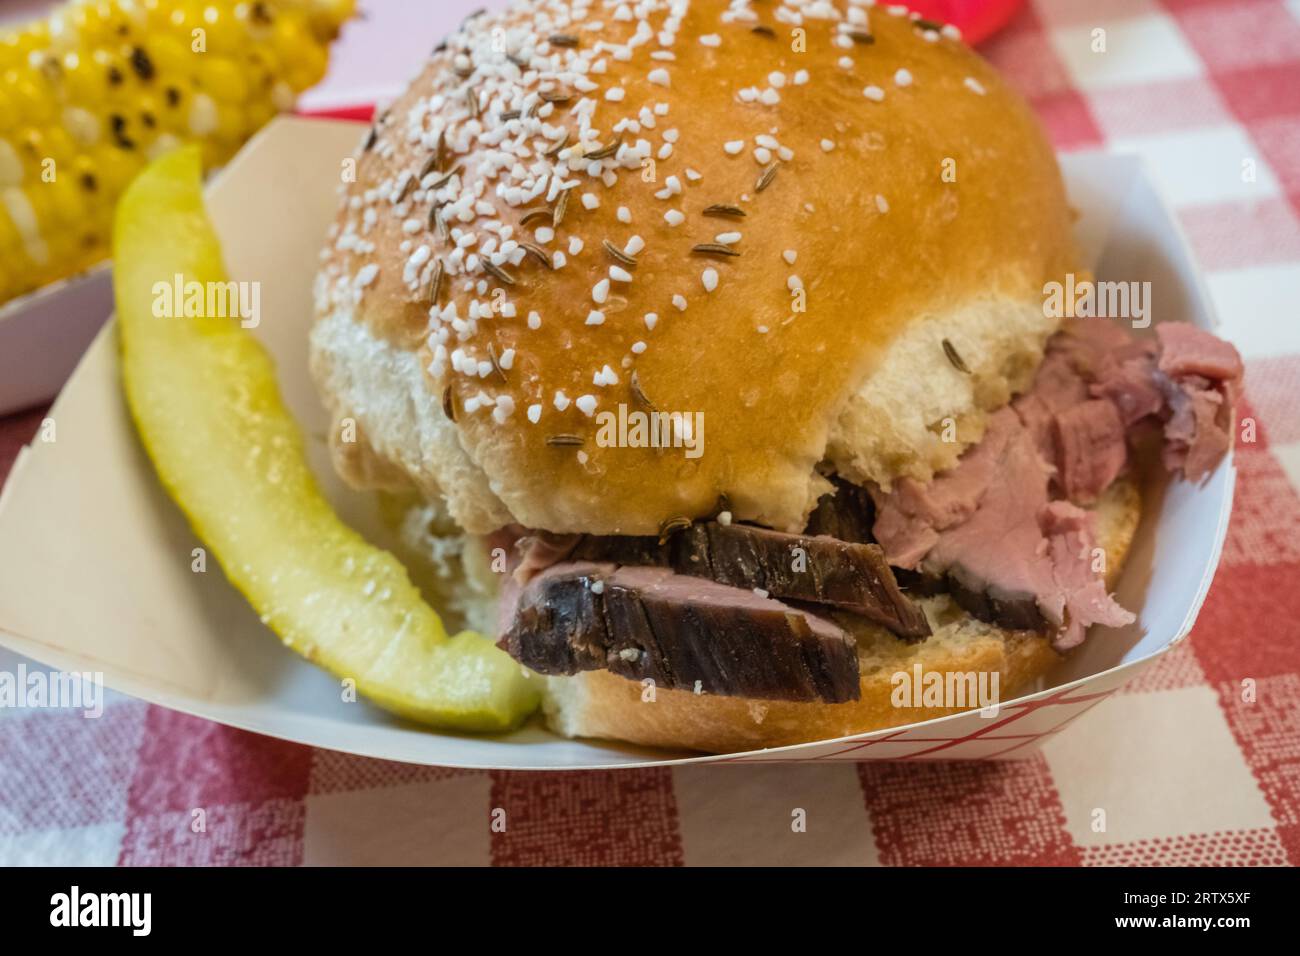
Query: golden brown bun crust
(883, 241)
(600, 704)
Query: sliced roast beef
(1079, 599)
(1196, 435)
(996, 561)
(989, 541)
(1057, 387)
(995, 604)
(1001, 529)
(814, 568)
(537, 551)
(1202, 380)
(1125, 378)
(682, 632)
(997, 542)
(911, 517)
(625, 549)
(1188, 350)
(1091, 449)
(1184, 379)
(818, 569)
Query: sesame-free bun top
(907, 199)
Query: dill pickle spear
(204, 398)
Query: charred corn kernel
(16, 45)
(224, 31)
(225, 80)
(116, 168)
(94, 91)
(110, 69)
(263, 68)
(83, 80)
(65, 202)
(182, 17)
(232, 121)
(172, 57)
(308, 68)
(87, 177)
(56, 144)
(261, 112)
(31, 104)
(289, 35)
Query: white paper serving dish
(95, 559)
(44, 333)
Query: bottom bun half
(602, 705)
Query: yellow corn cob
(91, 94)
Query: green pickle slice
(204, 398)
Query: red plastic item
(362, 113)
(977, 19)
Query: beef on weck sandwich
(716, 330)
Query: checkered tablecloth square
(1196, 762)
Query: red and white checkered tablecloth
(1179, 766)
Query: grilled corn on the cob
(91, 94)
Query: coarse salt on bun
(557, 163)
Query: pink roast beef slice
(1000, 543)
(1001, 532)
(1196, 435)
(1091, 449)
(1057, 386)
(1184, 377)
(910, 518)
(1079, 599)
(1188, 350)
(1016, 557)
(1201, 379)
(1076, 430)
(1128, 382)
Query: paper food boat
(44, 333)
(95, 559)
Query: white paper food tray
(44, 333)
(95, 559)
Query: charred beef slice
(845, 513)
(816, 569)
(682, 632)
